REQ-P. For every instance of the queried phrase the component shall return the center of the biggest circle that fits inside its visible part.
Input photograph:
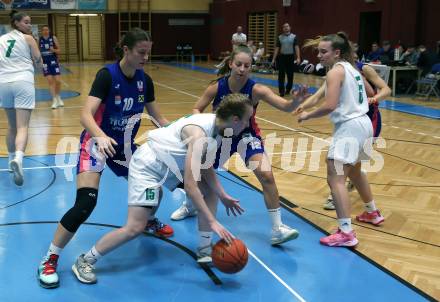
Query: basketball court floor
(399, 261)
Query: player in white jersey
(183, 151)
(18, 51)
(347, 104)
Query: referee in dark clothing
(286, 51)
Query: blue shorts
(51, 67)
(90, 161)
(247, 144)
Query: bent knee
(265, 177)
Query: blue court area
(153, 269)
(411, 109)
(43, 95)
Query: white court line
(277, 277)
(250, 252)
(297, 152)
(43, 167)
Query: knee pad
(85, 203)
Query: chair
(428, 85)
(382, 70)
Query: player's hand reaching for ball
(231, 204)
(221, 231)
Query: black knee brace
(85, 203)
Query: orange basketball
(229, 259)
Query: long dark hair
(225, 69)
(16, 16)
(130, 39)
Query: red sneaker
(375, 218)
(158, 228)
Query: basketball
(229, 259)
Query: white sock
(345, 225)
(11, 156)
(370, 206)
(53, 249)
(205, 238)
(188, 203)
(19, 156)
(275, 218)
(92, 256)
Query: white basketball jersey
(15, 58)
(353, 100)
(168, 141)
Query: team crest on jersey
(140, 86)
(117, 99)
(141, 98)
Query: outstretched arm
(313, 100)
(261, 92)
(193, 134)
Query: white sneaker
(54, 103)
(329, 205)
(183, 212)
(204, 254)
(17, 169)
(84, 271)
(60, 102)
(283, 234)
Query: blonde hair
(233, 104)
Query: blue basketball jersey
(223, 90)
(125, 100)
(45, 45)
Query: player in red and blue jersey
(111, 120)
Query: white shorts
(19, 95)
(352, 141)
(146, 175)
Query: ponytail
(225, 70)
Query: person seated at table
(375, 53)
(410, 56)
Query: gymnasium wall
(410, 21)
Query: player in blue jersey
(119, 93)
(235, 79)
(50, 49)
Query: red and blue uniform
(50, 59)
(251, 136)
(118, 116)
(373, 110)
